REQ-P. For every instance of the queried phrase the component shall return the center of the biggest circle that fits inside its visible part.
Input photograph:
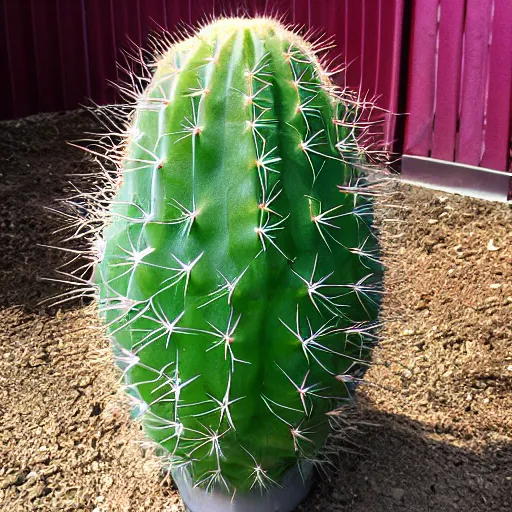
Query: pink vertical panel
(110, 49)
(474, 81)
(173, 15)
(370, 46)
(318, 14)
(262, 7)
(421, 87)
(7, 103)
(354, 42)
(500, 87)
(73, 53)
(176, 11)
(127, 24)
(451, 26)
(198, 11)
(20, 46)
(126, 17)
(48, 72)
(268, 7)
(153, 23)
(371, 61)
(301, 10)
(325, 17)
(389, 63)
(233, 7)
(333, 20)
(127, 33)
(115, 43)
(152, 17)
(100, 40)
(336, 27)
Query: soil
(434, 431)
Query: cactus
(238, 272)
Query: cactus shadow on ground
(37, 167)
(403, 466)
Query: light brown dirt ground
(434, 430)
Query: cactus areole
(239, 273)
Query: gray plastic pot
(293, 489)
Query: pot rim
(293, 489)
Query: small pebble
(491, 246)
(397, 493)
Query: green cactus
(239, 271)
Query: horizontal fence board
(451, 29)
(498, 117)
(421, 84)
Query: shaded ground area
(434, 432)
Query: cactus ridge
(238, 273)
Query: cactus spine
(239, 271)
